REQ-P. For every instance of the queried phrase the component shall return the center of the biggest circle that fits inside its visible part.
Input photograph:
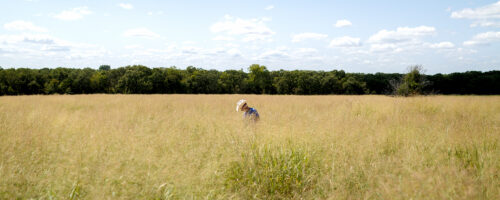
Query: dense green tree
(24, 81)
(81, 81)
(412, 83)
(99, 82)
(352, 85)
(113, 77)
(135, 80)
(330, 84)
(140, 79)
(233, 81)
(307, 83)
(173, 80)
(3, 85)
(201, 81)
(104, 68)
(379, 83)
(157, 79)
(52, 86)
(285, 82)
(259, 79)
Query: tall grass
(266, 172)
(198, 147)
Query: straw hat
(240, 104)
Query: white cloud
(414, 47)
(223, 38)
(491, 11)
(345, 41)
(483, 39)
(442, 45)
(36, 46)
(55, 48)
(249, 29)
(190, 50)
(273, 54)
(305, 56)
(141, 33)
(276, 54)
(39, 39)
(20, 25)
(269, 7)
(231, 45)
(308, 36)
(73, 14)
(485, 24)
(132, 46)
(401, 39)
(485, 16)
(234, 52)
(151, 13)
(384, 48)
(402, 34)
(306, 51)
(126, 6)
(343, 23)
(190, 53)
(27, 38)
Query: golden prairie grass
(198, 147)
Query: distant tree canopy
(412, 83)
(138, 79)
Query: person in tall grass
(249, 114)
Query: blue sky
(356, 36)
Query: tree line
(138, 79)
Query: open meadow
(198, 147)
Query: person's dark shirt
(251, 114)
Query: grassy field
(197, 147)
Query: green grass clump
(469, 157)
(272, 173)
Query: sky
(356, 36)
